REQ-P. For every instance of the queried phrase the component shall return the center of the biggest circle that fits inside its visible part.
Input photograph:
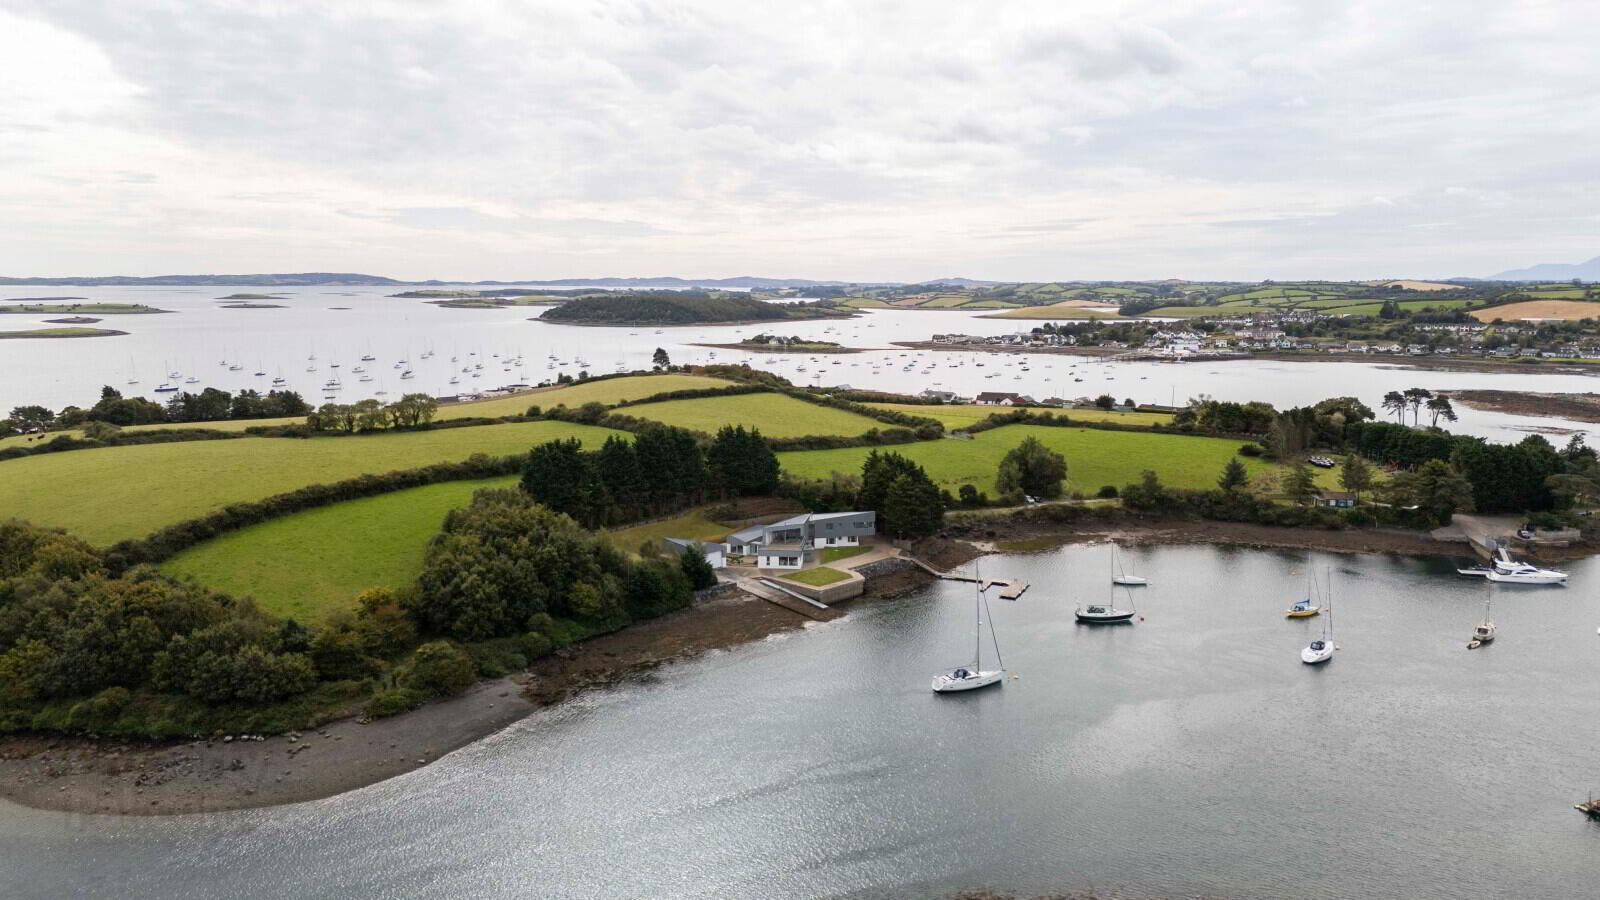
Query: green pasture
(312, 563)
(1094, 457)
(955, 416)
(108, 494)
(607, 391)
(776, 415)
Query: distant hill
(302, 278)
(350, 278)
(1588, 271)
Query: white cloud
(491, 138)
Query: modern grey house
(712, 550)
(793, 543)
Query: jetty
(1007, 589)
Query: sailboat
(1305, 608)
(968, 678)
(1120, 576)
(133, 374)
(1321, 649)
(1483, 632)
(1107, 613)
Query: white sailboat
(1119, 575)
(1321, 649)
(1107, 613)
(968, 678)
(1484, 631)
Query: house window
(788, 560)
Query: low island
(253, 297)
(664, 308)
(99, 309)
(69, 332)
(773, 343)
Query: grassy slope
(309, 564)
(776, 415)
(690, 525)
(611, 390)
(124, 492)
(959, 416)
(1054, 312)
(1094, 458)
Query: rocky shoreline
(131, 777)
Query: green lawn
(690, 525)
(816, 577)
(609, 391)
(777, 416)
(109, 494)
(960, 416)
(834, 554)
(1094, 457)
(312, 563)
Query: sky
(853, 140)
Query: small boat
(1475, 571)
(969, 678)
(1483, 632)
(165, 388)
(1119, 575)
(1321, 649)
(1103, 614)
(1302, 609)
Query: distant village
(1233, 339)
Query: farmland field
(112, 493)
(609, 391)
(1094, 457)
(1188, 312)
(960, 416)
(311, 563)
(1539, 309)
(775, 415)
(1067, 309)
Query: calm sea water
(1191, 753)
(200, 335)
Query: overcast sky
(854, 140)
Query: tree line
(663, 469)
(115, 409)
(410, 411)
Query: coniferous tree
(1234, 476)
(697, 568)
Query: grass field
(816, 577)
(834, 554)
(1069, 309)
(690, 525)
(1094, 457)
(609, 391)
(113, 493)
(776, 415)
(960, 416)
(1189, 312)
(1539, 309)
(315, 562)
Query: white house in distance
(794, 542)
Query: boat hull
(1543, 576)
(1313, 657)
(944, 684)
(1303, 613)
(1129, 580)
(1105, 618)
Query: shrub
(392, 702)
(441, 669)
(1251, 449)
(1107, 492)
